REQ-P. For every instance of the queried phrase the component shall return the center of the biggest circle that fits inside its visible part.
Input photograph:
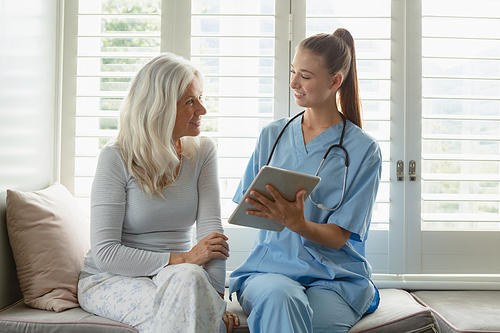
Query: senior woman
(155, 181)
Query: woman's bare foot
(230, 320)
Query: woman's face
(190, 109)
(313, 86)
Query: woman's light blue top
(344, 270)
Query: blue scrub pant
(276, 303)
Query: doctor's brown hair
(338, 54)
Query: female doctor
(313, 276)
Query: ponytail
(339, 56)
(350, 103)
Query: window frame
(68, 128)
(411, 255)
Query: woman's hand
(230, 320)
(289, 214)
(213, 246)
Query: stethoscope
(339, 145)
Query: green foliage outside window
(131, 7)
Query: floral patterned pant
(179, 298)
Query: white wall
(28, 110)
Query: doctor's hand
(289, 214)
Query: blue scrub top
(344, 270)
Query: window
(460, 142)
(234, 44)
(429, 78)
(115, 38)
(460, 115)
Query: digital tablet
(287, 182)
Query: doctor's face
(313, 86)
(190, 109)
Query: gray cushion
(397, 312)
(22, 318)
(463, 310)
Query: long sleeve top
(133, 234)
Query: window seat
(399, 311)
(463, 310)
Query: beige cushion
(20, 318)
(397, 312)
(49, 236)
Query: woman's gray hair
(147, 120)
